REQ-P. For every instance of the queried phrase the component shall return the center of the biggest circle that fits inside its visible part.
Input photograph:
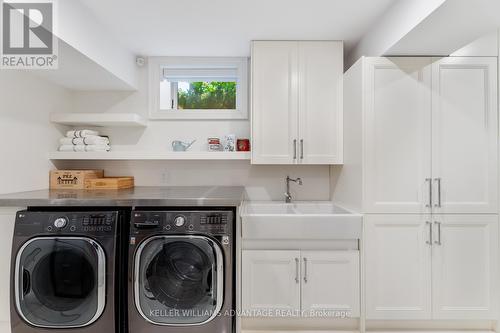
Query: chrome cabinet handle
(297, 280)
(438, 242)
(429, 204)
(429, 241)
(295, 149)
(301, 149)
(438, 180)
(305, 270)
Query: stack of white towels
(84, 140)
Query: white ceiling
(225, 27)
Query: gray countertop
(138, 196)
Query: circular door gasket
(63, 280)
(179, 275)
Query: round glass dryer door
(60, 282)
(179, 280)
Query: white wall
(7, 219)
(79, 28)
(159, 133)
(485, 46)
(26, 134)
(262, 182)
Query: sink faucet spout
(288, 195)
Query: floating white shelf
(127, 155)
(99, 119)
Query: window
(198, 88)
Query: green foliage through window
(206, 95)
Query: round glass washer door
(59, 282)
(179, 280)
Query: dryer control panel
(96, 223)
(208, 222)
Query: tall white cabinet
(429, 132)
(396, 134)
(297, 102)
(464, 135)
(420, 162)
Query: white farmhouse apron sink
(299, 220)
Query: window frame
(156, 66)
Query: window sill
(199, 114)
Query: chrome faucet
(288, 195)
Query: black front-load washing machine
(181, 271)
(66, 271)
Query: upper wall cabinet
(297, 102)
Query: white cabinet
(397, 134)
(274, 102)
(464, 266)
(421, 149)
(320, 102)
(398, 267)
(271, 281)
(305, 282)
(465, 135)
(429, 129)
(439, 268)
(330, 282)
(297, 102)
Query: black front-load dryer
(181, 270)
(65, 272)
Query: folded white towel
(84, 148)
(81, 133)
(88, 140)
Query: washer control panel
(210, 222)
(98, 223)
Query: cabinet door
(397, 135)
(398, 263)
(464, 134)
(274, 102)
(320, 102)
(330, 283)
(464, 267)
(270, 281)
